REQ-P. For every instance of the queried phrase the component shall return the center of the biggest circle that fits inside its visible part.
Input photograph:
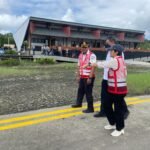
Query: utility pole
(8, 41)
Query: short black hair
(111, 38)
(119, 53)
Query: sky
(128, 14)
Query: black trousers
(105, 96)
(85, 89)
(115, 116)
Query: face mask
(84, 52)
(107, 46)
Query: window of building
(37, 40)
(130, 35)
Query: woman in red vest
(117, 89)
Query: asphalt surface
(81, 132)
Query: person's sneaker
(76, 106)
(126, 114)
(109, 127)
(99, 114)
(117, 133)
(88, 111)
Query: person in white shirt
(110, 41)
(85, 78)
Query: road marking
(138, 102)
(23, 124)
(55, 112)
(52, 118)
(21, 118)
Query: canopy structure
(20, 34)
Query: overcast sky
(129, 14)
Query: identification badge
(93, 59)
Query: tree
(145, 45)
(25, 45)
(4, 39)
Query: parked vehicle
(2, 51)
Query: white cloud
(122, 14)
(4, 31)
(132, 14)
(10, 22)
(68, 16)
(4, 6)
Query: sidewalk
(77, 131)
(138, 63)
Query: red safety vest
(117, 78)
(84, 73)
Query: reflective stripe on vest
(85, 72)
(117, 78)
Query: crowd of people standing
(59, 51)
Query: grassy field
(32, 86)
(139, 83)
(138, 77)
(28, 69)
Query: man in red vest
(117, 90)
(85, 78)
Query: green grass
(9, 62)
(17, 62)
(45, 61)
(139, 83)
(30, 68)
(15, 71)
(138, 80)
(138, 77)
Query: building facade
(40, 32)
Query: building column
(29, 42)
(67, 30)
(141, 37)
(96, 33)
(31, 30)
(49, 41)
(121, 36)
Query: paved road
(65, 128)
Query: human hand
(85, 66)
(78, 79)
(89, 81)
(94, 64)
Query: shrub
(10, 62)
(45, 61)
(11, 52)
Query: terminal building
(38, 32)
